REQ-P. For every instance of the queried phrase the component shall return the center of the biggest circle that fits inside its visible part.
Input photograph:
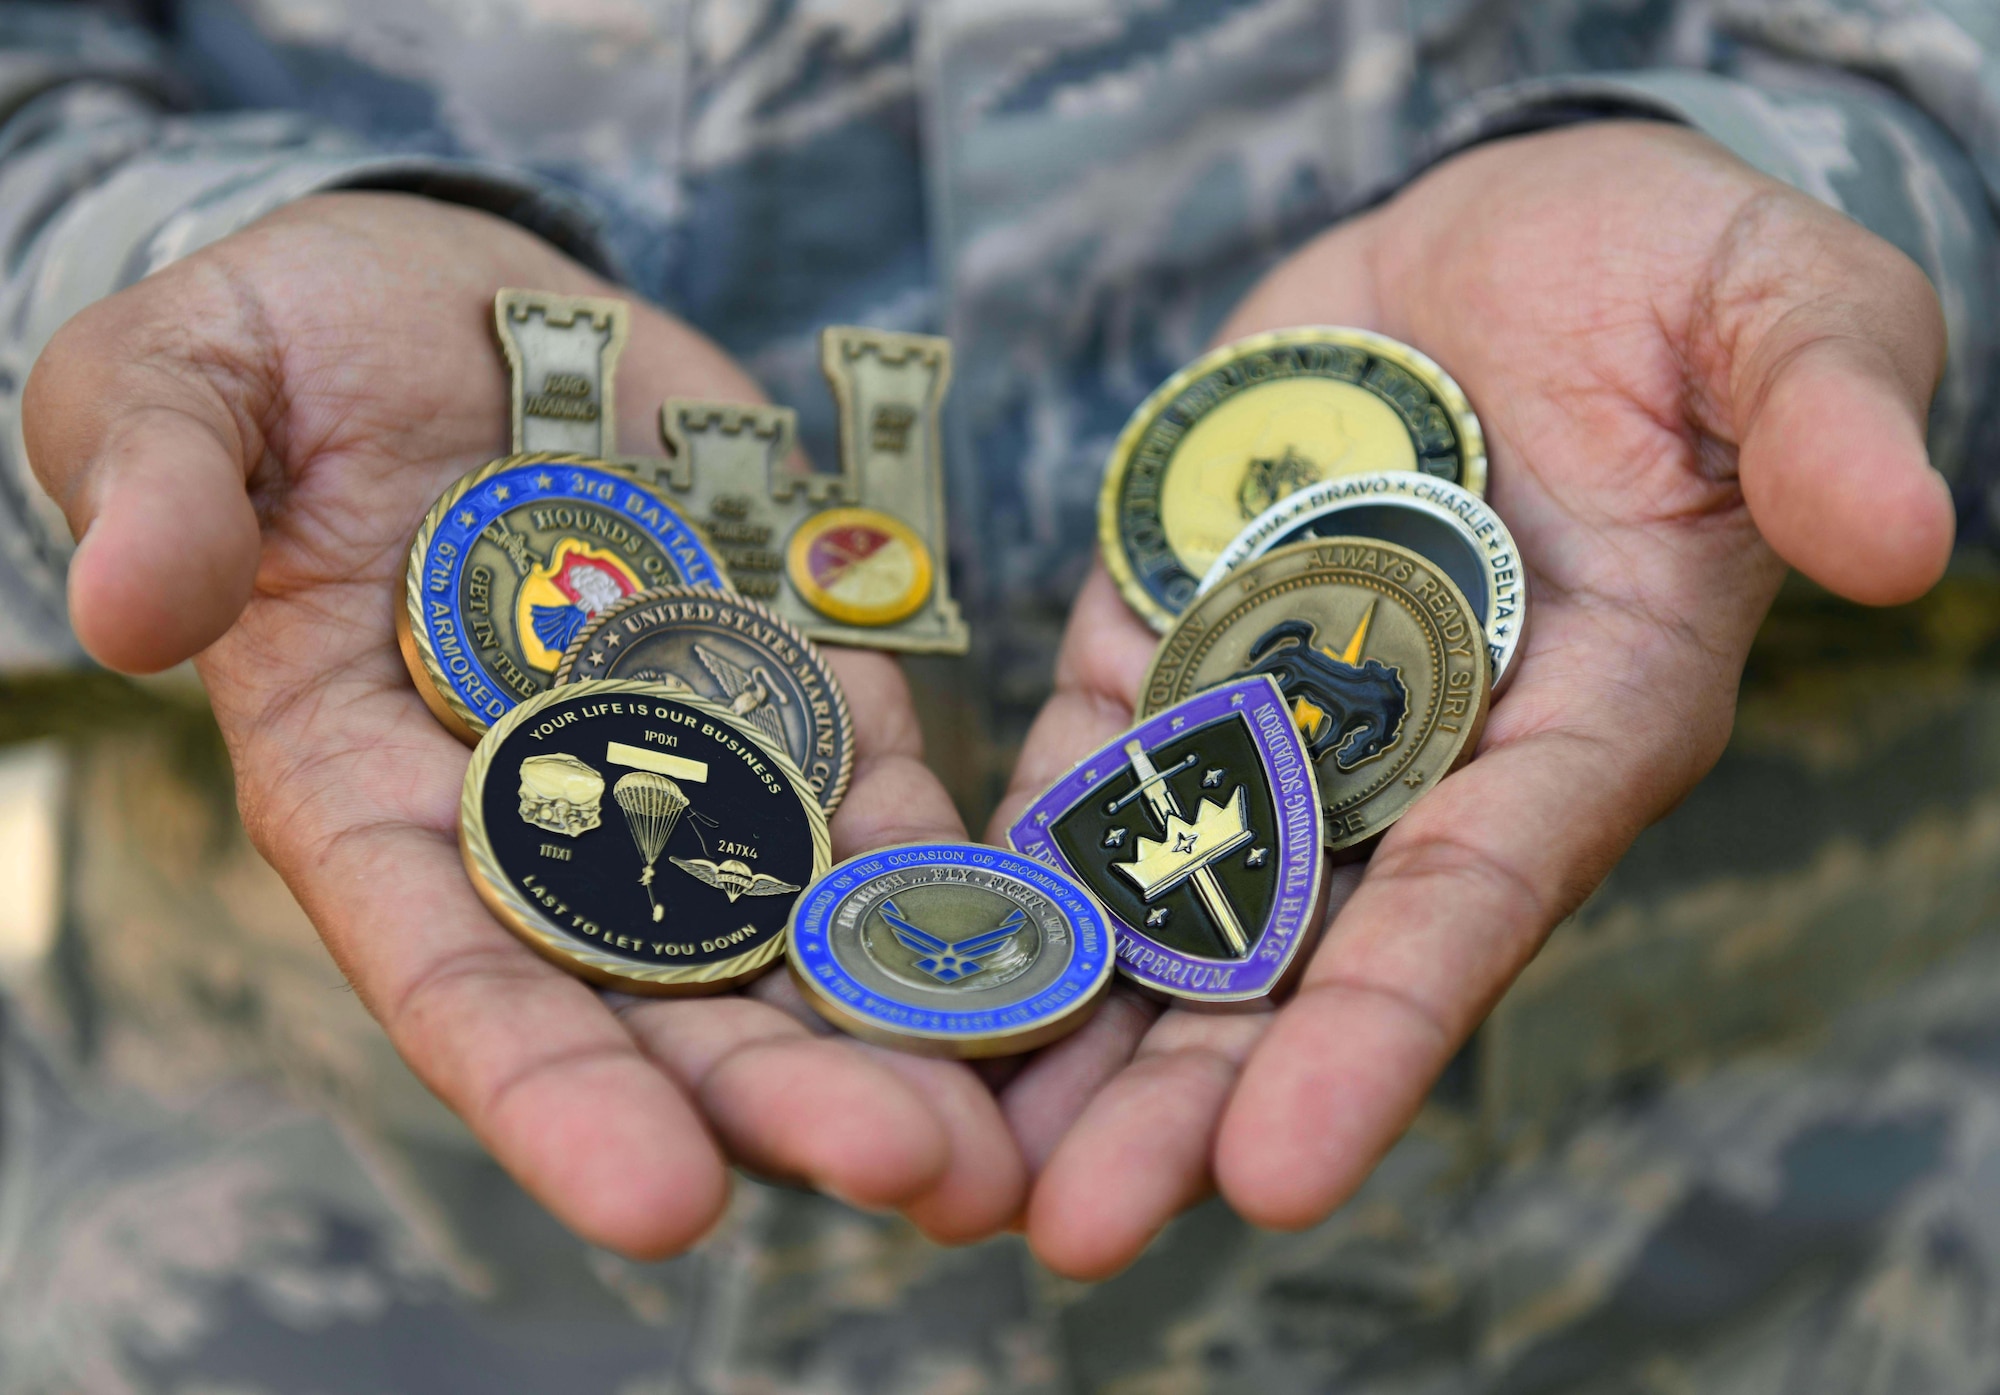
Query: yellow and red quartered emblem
(859, 566)
(559, 598)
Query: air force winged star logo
(948, 961)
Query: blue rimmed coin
(1199, 830)
(513, 561)
(950, 949)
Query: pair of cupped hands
(1689, 376)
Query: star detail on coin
(1115, 837)
(466, 518)
(1256, 857)
(595, 657)
(1211, 778)
(544, 482)
(1041, 818)
(1415, 779)
(1156, 917)
(611, 638)
(502, 493)
(1179, 722)
(1236, 699)
(1090, 775)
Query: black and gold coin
(735, 653)
(513, 560)
(1249, 423)
(641, 839)
(1377, 652)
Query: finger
(786, 1102)
(876, 1127)
(984, 1185)
(1139, 1155)
(1137, 1151)
(1833, 344)
(1105, 651)
(547, 1078)
(1457, 898)
(1058, 1082)
(894, 797)
(1870, 519)
(147, 457)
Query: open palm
(245, 443)
(1689, 376)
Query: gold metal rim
(843, 717)
(1118, 464)
(817, 596)
(515, 912)
(1475, 727)
(425, 670)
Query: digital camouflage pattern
(1737, 1129)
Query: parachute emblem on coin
(653, 804)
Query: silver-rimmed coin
(731, 651)
(1452, 528)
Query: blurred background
(216, 1176)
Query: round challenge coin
(1251, 422)
(859, 566)
(640, 839)
(517, 557)
(1378, 653)
(1452, 527)
(731, 651)
(951, 949)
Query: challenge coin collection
(630, 644)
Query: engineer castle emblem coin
(642, 839)
(1378, 654)
(731, 651)
(1251, 422)
(950, 949)
(1199, 830)
(513, 561)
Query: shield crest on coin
(1199, 830)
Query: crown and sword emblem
(1189, 850)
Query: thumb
(147, 457)
(1830, 403)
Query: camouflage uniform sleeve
(1852, 144)
(106, 175)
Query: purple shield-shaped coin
(1199, 830)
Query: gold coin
(1379, 656)
(1250, 423)
(640, 838)
(859, 566)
